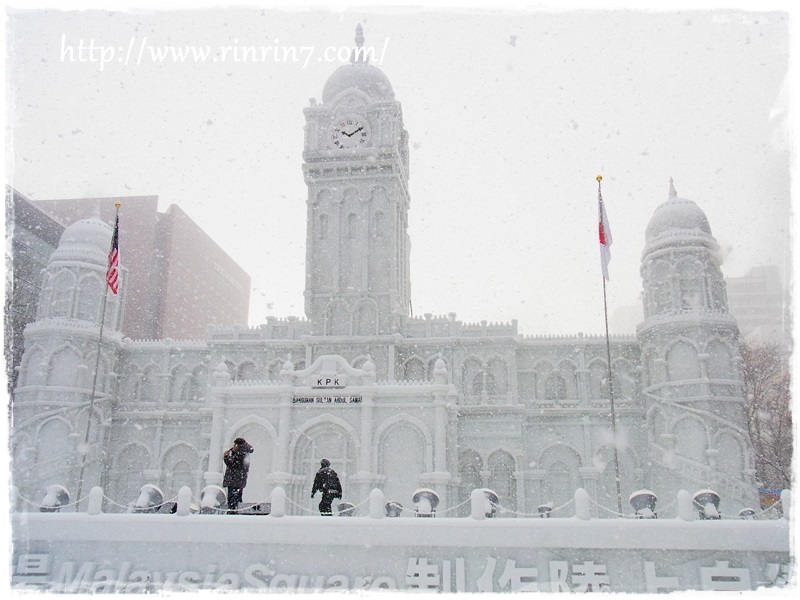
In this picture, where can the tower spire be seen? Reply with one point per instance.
(672, 192)
(358, 55)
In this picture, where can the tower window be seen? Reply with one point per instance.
(323, 227)
(351, 226)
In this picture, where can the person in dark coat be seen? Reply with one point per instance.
(237, 463)
(326, 481)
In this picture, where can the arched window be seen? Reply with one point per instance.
(338, 320)
(484, 383)
(542, 372)
(324, 197)
(247, 371)
(179, 380)
(181, 476)
(196, 385)
(660, 288)
(365, 319)
(89, 299)
(682, 362)
(324, 440)
(352, 226)
(691, 285)
(53, 442)
(498, 374)
(275, 370)
(555, 388)
(559, 486)
(64, 368)
(323, 227)
(502, 480)
(598, 381)
(469, 372)
(63, 289)
(415, 370)
(379, 224)
(402, 460)
(178, 464)
(691, 439)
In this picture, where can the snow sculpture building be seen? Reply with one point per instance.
(393, 401)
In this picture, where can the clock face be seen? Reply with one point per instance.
(349, 131)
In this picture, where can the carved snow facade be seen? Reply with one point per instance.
(393, 401)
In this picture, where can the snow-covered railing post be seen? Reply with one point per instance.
(685, 506)
(583, 504)
(278, 499)
(490, 502)
(377, 501)
(95, 506)
(477, 505)
(786, 504)
(184, 506)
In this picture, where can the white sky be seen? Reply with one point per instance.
(511, 114)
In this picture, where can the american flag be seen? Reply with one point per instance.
(112, 274)
(605, 233)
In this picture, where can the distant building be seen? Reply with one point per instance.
(34, 236)
(178, 280)
(761, 305)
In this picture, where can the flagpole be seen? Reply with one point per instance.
(94, 380)
(610, 375)
(611, 396)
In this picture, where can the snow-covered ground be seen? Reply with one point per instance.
(84, 552)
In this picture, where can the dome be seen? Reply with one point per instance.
(361, 76)
(676, 214)
(87, 240)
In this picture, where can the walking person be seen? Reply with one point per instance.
(237, 463)
(326, 481)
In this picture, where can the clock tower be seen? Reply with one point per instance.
(355, 164)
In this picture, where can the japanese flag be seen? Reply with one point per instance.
(605, 234)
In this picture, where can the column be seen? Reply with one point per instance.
(589, 476)
(214, 474)
(284, 424)
(365, 478)
(519, 477)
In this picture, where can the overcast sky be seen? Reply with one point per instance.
(511, 115)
